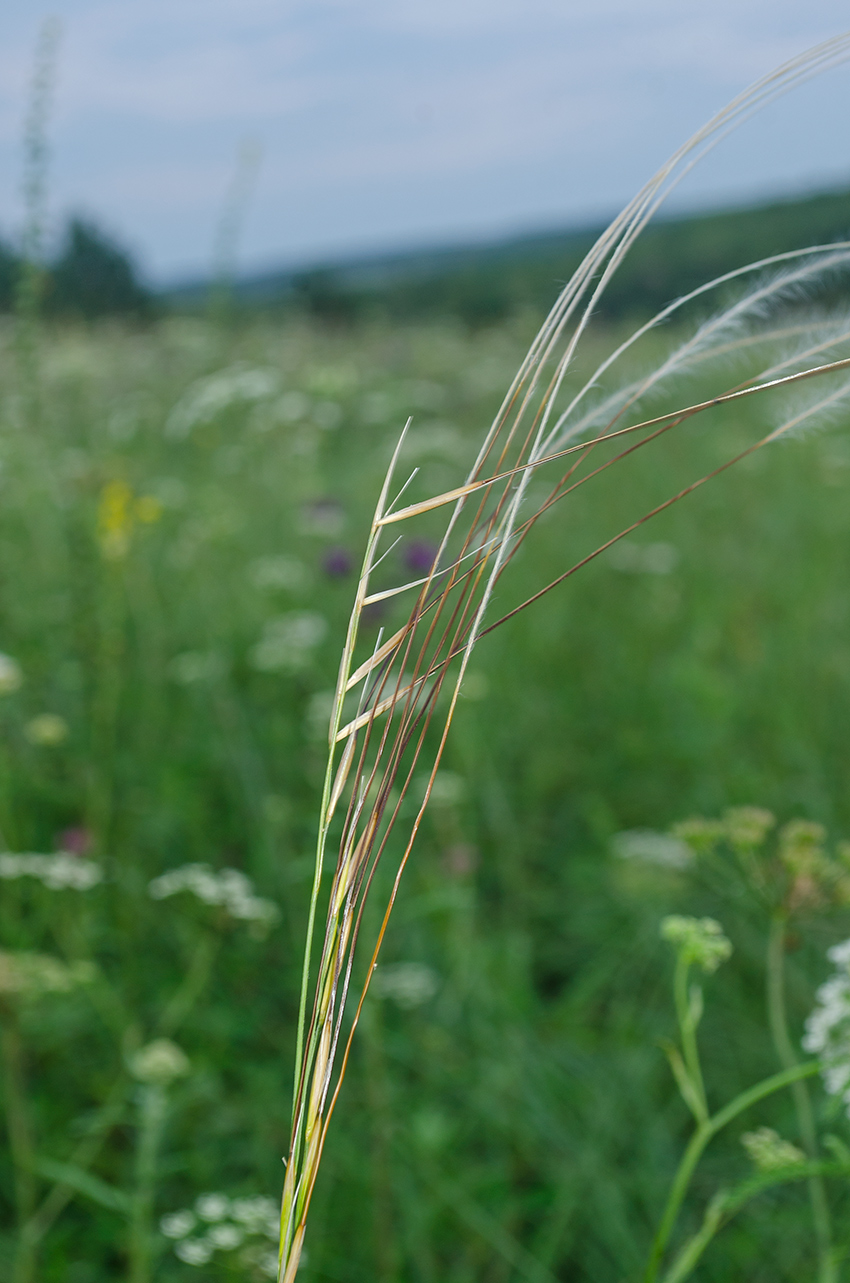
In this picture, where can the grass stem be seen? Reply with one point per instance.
(778, 1021)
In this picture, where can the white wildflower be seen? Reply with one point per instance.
(440, 440)
(246, 1225)
(226, 1237)
(213, 1207)
(258, 1215)
(267, 1263)
(32, 974)
(475, 686)
(47, 730)
(194, 1251)
(197, 666)
(648, 847)
(178, 1224)
(287, 573)
(11, 675)
(448, 788)
(287, 642)
(209, 397)
(159, 1063)
(828, 1026)
(642, 559)
(318, 718)
(292, 407)
(229, 888)
(840, 953)
(769, 1152)
(58, 872)
(407, 984)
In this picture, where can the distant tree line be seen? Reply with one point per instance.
(90, 276)
(483, 284)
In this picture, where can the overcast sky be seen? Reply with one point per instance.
(388, 123)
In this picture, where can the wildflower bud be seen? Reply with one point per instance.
(30, 975)
(699, 834)
(700, 941)
(769, 1152)
(801, 846)
(46, 730)
(746, 827)
(115, 520)
(159, 1063)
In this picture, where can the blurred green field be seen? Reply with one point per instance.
(182, 512)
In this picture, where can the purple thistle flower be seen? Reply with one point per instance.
(337, 563)
(419, 555)
(75, 841)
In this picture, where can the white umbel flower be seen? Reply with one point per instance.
(828, 1026)
(229, 888)
(159, 1063)
(58, 872)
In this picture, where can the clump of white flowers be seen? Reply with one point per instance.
(59, 872)
(828, 1027)
(206, 399)
(407, 984)
(769, 1152)
(228, 888)
(700, 941)
(643, 559)
(645, 846)
(248, 1227)
(158, 1063)
(287, 642)
(30, 975)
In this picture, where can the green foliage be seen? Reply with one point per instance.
(485, 284)
(8, 276)
(171, 534)
(92, 276)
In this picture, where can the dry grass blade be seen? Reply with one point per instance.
(411, 681)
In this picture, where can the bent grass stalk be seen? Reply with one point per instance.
(402, 705)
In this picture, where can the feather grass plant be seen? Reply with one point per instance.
(409, 684)
(397, 703)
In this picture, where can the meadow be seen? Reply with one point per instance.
(182, 514)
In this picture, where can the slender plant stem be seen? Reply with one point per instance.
(703, 1134)
(153, 1106)
(30, 285)
(688, 1031)
(21, 1145)
(777, 1017)
(194, 982)
(727, 1203)
(380, 1110)
(106, 701)
(693, 1250)
(81, 1158)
